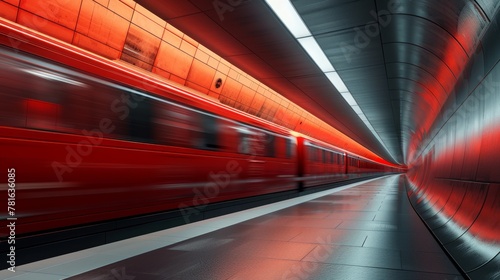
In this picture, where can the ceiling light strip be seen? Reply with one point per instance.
(316, 53)
(286, 12)
(288, 15)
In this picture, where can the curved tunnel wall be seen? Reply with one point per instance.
(455, 182)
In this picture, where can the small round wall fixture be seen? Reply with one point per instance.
(218, 83)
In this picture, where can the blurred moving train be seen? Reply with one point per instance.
(93, 140)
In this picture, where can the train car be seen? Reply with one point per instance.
(88, 149)
(358, 166)
(320, 163)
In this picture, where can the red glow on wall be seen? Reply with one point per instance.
(459, 182)
(455, 58)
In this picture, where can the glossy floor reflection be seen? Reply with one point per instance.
(366, 232)
(369, 231)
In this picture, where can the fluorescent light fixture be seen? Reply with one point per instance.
(337, 81)
(286, 12)
(292, 20)
(357, 109)
(289, 16)
(316, 53)
(348, 97)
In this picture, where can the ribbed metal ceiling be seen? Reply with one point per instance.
(400, 59)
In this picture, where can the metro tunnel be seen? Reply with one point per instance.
(250, 139)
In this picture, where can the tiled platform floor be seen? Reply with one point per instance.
(366, 230)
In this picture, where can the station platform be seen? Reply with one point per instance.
(365, 230)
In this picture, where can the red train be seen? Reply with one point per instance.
(93, 140)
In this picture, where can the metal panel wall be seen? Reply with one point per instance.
(455, 182)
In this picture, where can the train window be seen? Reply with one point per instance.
(288, 147)
(244, 147)
(12, 94)
(140, 119)
(80, 111)
(12, 109)
(323, 155)
(42, 115)
(45, 99)
(228, 135)
(176, 125)
(96, 107)
(270, 150)
(210, 130)
(37, 103)
(250, 141)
